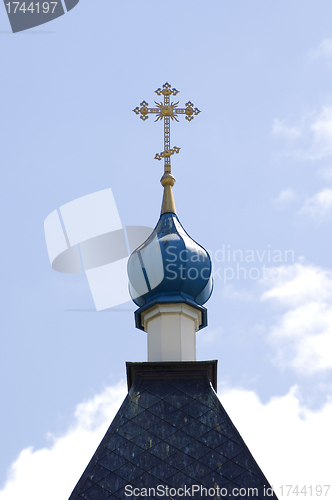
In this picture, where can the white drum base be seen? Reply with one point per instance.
(171, 330)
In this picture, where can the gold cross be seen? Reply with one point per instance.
(167, 110)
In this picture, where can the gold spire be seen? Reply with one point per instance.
(167, 110)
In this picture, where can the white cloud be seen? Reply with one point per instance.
(324, 50)
(279, 128)
(51, 473)
(285, 197)
(319, 205)
(290, 443)
(315, 134)
(321, 130)
(300, 283)
(302, 336)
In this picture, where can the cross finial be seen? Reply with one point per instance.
(167, 110)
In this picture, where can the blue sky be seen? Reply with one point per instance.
(254, 174)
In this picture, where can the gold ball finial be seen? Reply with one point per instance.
(168, 205)
(167, 180)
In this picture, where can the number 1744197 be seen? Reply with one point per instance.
(37, 7)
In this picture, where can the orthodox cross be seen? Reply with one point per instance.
(167, 110)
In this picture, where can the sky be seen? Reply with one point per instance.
(253, 186)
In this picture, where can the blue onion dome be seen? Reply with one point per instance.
(170, 267)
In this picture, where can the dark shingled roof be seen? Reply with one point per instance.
(171, 430)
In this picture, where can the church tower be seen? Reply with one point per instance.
(171, 438)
